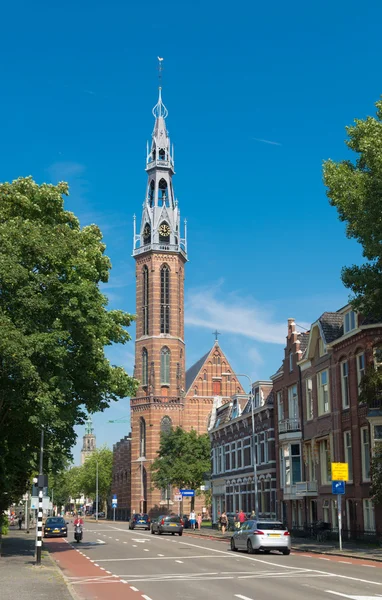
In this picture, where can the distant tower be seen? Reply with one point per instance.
(89, 440)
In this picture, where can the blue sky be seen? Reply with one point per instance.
(258, 96)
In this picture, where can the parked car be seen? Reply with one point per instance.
(55, 527)
(101, 515)
(262, 535)
(140, 522)
(167, 524)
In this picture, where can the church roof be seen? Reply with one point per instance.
(193, 371)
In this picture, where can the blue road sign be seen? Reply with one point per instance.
(338, 487)
(114, 504)
(187, 492)
(114, 496)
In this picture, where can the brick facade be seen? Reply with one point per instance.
(121, 479)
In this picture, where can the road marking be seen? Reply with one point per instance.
(179, 561)
(123, 581)
(102, 568)
(146, 550)
(353, 597)
(345, 562)
(134, 588)
(146, 597)
(125, 542)
(95, 564)
(173, 558)
(117, 539)
(242, 597)
(108, 572)
(160, 554)
(134, 545)
(370, 566)
(322, 558)
(101, 542)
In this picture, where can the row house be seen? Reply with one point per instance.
(121, 477)
(233, 436)
(319, 420)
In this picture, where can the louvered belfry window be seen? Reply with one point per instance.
(165, 299)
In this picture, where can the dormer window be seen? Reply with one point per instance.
(350, 321)
(290, 361)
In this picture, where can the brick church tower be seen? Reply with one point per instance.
(160, 255)
(167, 395)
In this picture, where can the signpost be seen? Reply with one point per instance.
(114, 504)
(340, 474)
(187, 493)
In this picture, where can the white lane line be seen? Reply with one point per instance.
(146, 550)
(370, 566)
(125, 542)
(123, 581)
(134, 588)
(146, 597)
(117, 539)
(322, 558)
(95, 564)
(108, 572)
(134, 545)
(179, 561)
(102, 569)
(242, 597)
(345, 562)
(184, 557)
(91, 560)
(160, 554)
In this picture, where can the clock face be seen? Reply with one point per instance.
(146, 231)
(164, 230)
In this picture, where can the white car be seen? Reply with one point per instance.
(265, 535)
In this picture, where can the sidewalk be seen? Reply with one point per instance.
(350, 549)
(19, 576)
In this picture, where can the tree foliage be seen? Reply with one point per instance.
(54, 326)
(183, 459)
(87, 475)
(355, 189)
(376, 476)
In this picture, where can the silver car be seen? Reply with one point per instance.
(262, 535)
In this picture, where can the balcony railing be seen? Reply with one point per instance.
(304, 488)
(159, 163)
(156, 400)
(161, 247)
(288, 425)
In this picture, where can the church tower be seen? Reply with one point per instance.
(89, 440)
(160, 254)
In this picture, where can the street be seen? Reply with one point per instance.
(113, 562)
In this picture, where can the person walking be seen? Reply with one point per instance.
(236, 519)
(199, 520)
(253, 515)
(20, 519)
(192, 519)
(242, 518)
(223, 521)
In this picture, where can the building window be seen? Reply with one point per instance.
(325, 462)
(280, 406)
(325, 510)
(349, 321)
(360, 358)
(348, 453)
(205, 376)
(293, 403)
(165, 299)
(142, 437)
(311, 464)
(165, 366)
(247, 452)
(233, 456)
(368, 516)
(227, 454)
(165, 424)
(145, 300)
(365, 453)
(290, 361)
(323, 392)
(345, 384)
(239, 452)
(309, 399)
(296, 462)
(145, 366)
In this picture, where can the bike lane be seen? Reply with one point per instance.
(88, 580)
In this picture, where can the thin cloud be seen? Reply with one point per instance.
(267, 141)
(210, 308)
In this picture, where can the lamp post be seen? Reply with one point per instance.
(40, 495)
(96, 491)
(253, 439)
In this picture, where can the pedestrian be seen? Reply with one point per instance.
(199, 519)
(253, 515)
(20, 519)
(223, 519)
(241, 517)
(192, 519)
(236, 519)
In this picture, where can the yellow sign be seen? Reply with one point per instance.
(340, 471)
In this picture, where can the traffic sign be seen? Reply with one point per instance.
(187, 492)
(340, 471)
(177, 497)
(338, 487)
(114, 496)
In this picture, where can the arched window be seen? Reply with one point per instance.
(142, 437)
(145, 366)
(162, 154)
(166, 425)
(163, 193)
(145, 300)
(165, 299)
(151, 192)
(147, 234)
(165, 366)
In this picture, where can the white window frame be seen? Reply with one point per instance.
(326, 477)
(348, 453)
(368, 516)
(290, 362)
(345, 390)
(322, 404)
(350, 321)
(309, 399)
(280, 406)
(293, 411)
(365, 453)
(361, 365)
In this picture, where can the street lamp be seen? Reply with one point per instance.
(96, 491)
(253, 439)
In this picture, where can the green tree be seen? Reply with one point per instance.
(183, 459)
(87, 475)
(376, 476)
(355, 189)
(54, 326)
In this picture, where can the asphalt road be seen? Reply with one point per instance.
(189, 568)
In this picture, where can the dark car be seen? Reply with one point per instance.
(55, 527)
(140, 522)
(167, 524)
